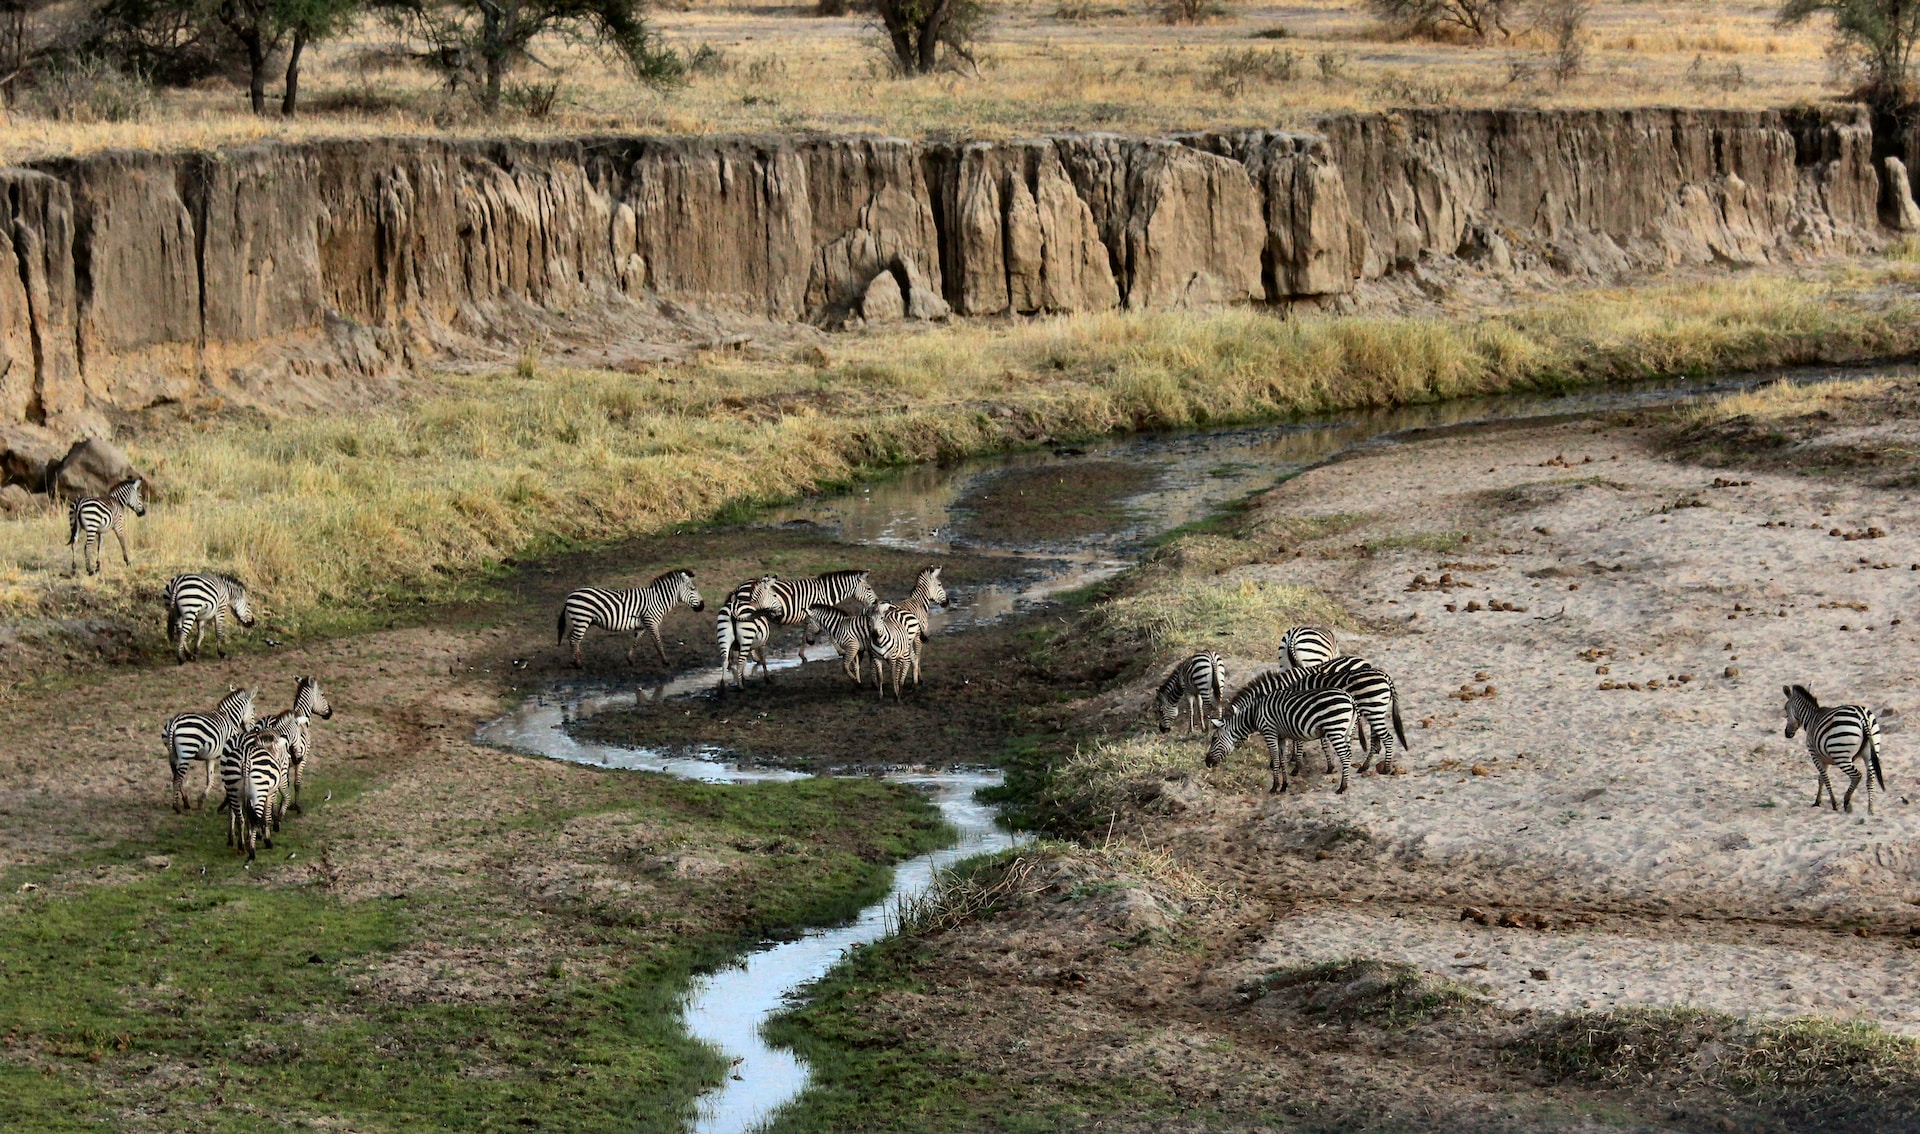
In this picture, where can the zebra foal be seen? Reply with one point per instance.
(203, 736)
(1198, 685)
(193, 600)
(1326, 715)
(92, 517)
(851, 637)
(906, 625)
(640, 610)
(1845, 737)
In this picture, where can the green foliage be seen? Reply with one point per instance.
(480, 42)
(1876, 36)
(925, 35)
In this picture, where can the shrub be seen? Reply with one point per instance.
(91, 89)
(1445, 18)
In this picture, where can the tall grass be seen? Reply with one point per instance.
(411, 501)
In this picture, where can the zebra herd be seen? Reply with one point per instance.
(1316, 696)
(261, 759)
(840, 607)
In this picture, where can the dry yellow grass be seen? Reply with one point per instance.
(353, 513)
(1118, 67)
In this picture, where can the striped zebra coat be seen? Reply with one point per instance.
(906, 625)
(203, 736)
(742, 631)
(255, 769)
(640, 610)
(194, 600)
(296, 724)
(1304, 647)
(787, 600)
(1373, 692)
(1845, 737)
(1300, 715)
(91, 517)
(851, 637)
(746, 622)
(1197, 684)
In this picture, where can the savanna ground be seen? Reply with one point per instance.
(1043, 66)
(1595, 899)
(502, 940)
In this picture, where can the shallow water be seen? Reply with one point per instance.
(1195, 474)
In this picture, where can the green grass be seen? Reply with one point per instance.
(232, 995)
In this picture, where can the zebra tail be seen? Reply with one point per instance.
(1873, 755)
(1399, 729)
(560, 628)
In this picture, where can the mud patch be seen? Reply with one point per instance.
(1053, 503)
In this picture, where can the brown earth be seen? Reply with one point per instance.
(1053, 503)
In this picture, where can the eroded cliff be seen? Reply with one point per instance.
(284, 273)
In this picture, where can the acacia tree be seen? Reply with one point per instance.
(1877, 36)
(919, 30)
(492, 37)
(309, 21)
(1477, 18)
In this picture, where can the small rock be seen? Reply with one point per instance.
(1539, 974)
(1480, 770)
(1733, 671)
(1473, 913)
(158, 861)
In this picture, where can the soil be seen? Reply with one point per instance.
(1052, 503)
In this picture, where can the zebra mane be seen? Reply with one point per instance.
(841, 576)
(1803, 694)
(665, 575)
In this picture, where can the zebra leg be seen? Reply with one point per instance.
(206, 789)
(1328, 754)
(1853, 783)
(660, 647)
(122, 537)
(298, 767)
(179, 790)
(1276, 764)
(1342, 744)
(200, 639)
(1820, 766)
(220, 642)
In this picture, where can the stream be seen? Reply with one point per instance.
(1194, 474)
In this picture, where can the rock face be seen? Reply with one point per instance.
(89, 468)
(289, 274)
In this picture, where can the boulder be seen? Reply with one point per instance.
(882, 301)
(14, 500)
(1904, 215)
(922, 295)
(25, 453)
(90, 468)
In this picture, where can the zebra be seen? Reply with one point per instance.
(1326, 715)
(1837, 737)
(896, 634)
(1373, 692)
(850, 634)
(743, 631)
(255, 771)
(1198, 684)
(640, 610)
(202, 736)
(94, 516)
(1304, 647)
(192, 598)
(296, 725)
(787, 600)
(907, 622)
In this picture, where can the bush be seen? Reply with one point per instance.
(1445, 18)
(1233, 71)
(91, 89)
(1565, 23)
(925, 35)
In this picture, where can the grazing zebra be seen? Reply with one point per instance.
(896, 634)
(787, 600)
(1306, 646)
(1373, 692)
(255, 770)
(640, 610)
(849, 633)
(94, 516)
(1326, 715)
(1845, 737)
(192, 599)
(296, 725)
(202, 737)
(743, 631)
(908, 621)
(1198, 684)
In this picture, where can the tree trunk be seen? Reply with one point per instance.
(493, 46)
(256, 71)
(290, 99)
(930, 30)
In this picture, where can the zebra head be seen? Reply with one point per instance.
(1801, 707)
(766, 597)
(242, 606)
(689, 593)
(1222, 744)
(1166, 710)
(863, 590)
(929, 587)
(816, 626)
(309, 701)
(129, 493)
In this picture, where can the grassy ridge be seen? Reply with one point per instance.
(328, 515)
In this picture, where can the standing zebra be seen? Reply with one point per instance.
(742, 631)
(640, 610)
(94, 516)
(1845, 737)
(1326, 715)
(1306, 646)
(202, 737)
(296, 725)
(851, 637)
(895, 634)
(907, 622)
(255, 770)
(1199, 684)
(787, 600)
(192, 599)
(1373, 692)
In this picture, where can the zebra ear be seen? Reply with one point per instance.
(1215, 722)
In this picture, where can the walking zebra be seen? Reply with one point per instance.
(742, 631)
(849, 633)
(746, 623)
(1373, 692)
(1306, 646)
(1198, 684)
(192, 599)
(1845, 737)
(94, 516)
(640, 610)
(907, 622)
(255, 770)
(296, 724)
(787, 600)
(1326, 715)
(202, 737)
